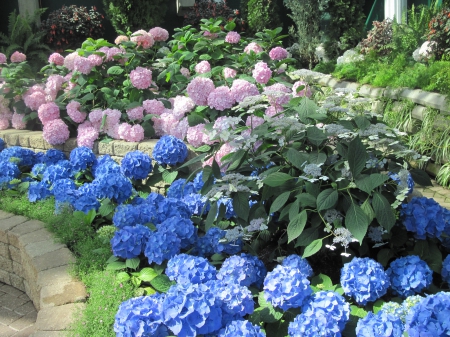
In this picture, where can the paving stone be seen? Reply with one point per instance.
(5, 215)
(42, 247)
(26, 307)
(57, 318)
(26, 332)
(36, 236)
(6, 264)
(53, 276)
(15, 254)
(6, 331)
(4, 277)
(22, 229)
(50, 334)
(4, 250)
(11, 302)
(62, 293)
(57, 258)
(25, 321)
(17, 282)
(7, 316)
(9, 223)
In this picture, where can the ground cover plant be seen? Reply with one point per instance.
(299, 219)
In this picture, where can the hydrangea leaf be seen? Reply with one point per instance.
(434, 258)
(307, 237)
(161, 283)
(117, 265)
(369, 183)
(368, 210)
(240, 205)
(115, 70)
(297, 158)
(147, 274)
(420, 177)
(384, 255)
(306, 199)
(357, 156)
(279, 202)
(296, 226)
(312, 248)
(277, 179)
(421, 248)
(122, 277)
(356, 222)
(133, 263)
(323, 282)
(327, 199)
(383, 211)
(357, 311)
(169, 177)
(293, 211)
(316, 136)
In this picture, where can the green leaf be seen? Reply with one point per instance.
(362, 122)
(133, 263)
(327, 199)
(357, 155)
(277, 179)
(161, 283)
(312, 248)
(117, 265)
(211, 216)
(195, 119)
(322, 282)
(420, 177)
(123, 276)
(368, 210)
(384, 255)
(357, 311)
(203, 148)
(240, 205)
(421, 248)
(369, 183)
(356, 222)
(296, 158)
(293, 210)
(296, 226)
(237, 159)
(383, 211)
(306, 200)
(279, 202)
(308, 236)
(434, 258)
(315, 135)
(115, 70)
(169, 177)
(147, 274)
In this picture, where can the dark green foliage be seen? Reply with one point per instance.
(378, 39)
(68, 27)
(24, 36)
(132, 15)
(439, 32)
(325, 67)
(262, 14)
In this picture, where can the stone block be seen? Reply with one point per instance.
(46, 333)
(369, 91)
(4, 277)
(70, 144)
(17, 269)
(39, 248)
(54, 276)
(22, 229)
(418, 112)
(8, 316)
(4, 250)
(15, 254)
(36, 141)
(25, 321)
(11, 302)
(24, 139)
(48, 146)
(12, 139)
(430, 99)
(17, 282)
(36, 236)
(121, 148)
(6, 264)
(57, 318)
(5, 215)
(118, 160)
(62, 293)
(9, 223)
(106, 148)
(147, 146)
(57, 258)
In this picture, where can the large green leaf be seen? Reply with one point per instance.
(296, 226)
(279, 202)
(356, 222)
(312, 248)
(161, 283)
(434, 258)
(298, 159)
(132, 263)
(306, 200)
(277, 179)
(147, 274)
(237, 159)
(369, 183)
(240, 204)
(420, 177)
(383, 211)
(357, 156)
(115, 70)
(315, 135)
(327, 199)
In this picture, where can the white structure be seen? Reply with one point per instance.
(394, 8)
(28, 7)
(183, 5)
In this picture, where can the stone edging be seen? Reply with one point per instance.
(31, 261)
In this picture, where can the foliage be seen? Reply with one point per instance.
(378, 39)
(262, 14)
(325, 67)
(443, 176)
(24, 36)
(69, 26)
(439, 32)
(130, 15)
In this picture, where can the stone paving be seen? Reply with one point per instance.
(437, 192)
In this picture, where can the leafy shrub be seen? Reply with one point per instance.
(68, 27)
(131, 15)
(378, 39)
(262, 14)
(325, 67)
(439, 32)
(210, 9)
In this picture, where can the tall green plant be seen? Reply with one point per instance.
(132, 15)
(262, 14)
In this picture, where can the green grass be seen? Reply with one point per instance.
(91, 252)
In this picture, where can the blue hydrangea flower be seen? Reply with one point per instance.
(104, 165)
(186, 269)
(425, 218)
(170, 150)
(170, 207)
(154, 198)
(162, 246)
(285, 288)
(379, 324)
(407, 304)
(197, 203)
(409, 275)
(2, 144)
(136, 165)
(126, 215)
(445, 273)
(245, 270)
(180, 188)
(364, 280)
(38, 169)
(191, 309)
(60, 187)
(295, 261)
(430, 316)
(241, 329)
(183, 228)
(210, 243)
(26, 158)
(129, 241)
(198, 182)
(314, 323)
(83, 201)
(331, 303)
(8, 169)
(53, 156)
(403, 180)
(114, 186)
(61, 170)
(38, 191)
(228, 202)
(82, 158)
(141, 316)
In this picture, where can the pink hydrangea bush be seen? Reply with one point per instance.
(56, 58)
(73, 110)
(199, 89)
(143, 39)
(141, 78)
(18, 57)
(159, 34)
(56, 132)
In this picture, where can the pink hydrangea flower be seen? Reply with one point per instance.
(253, 46)
(304, 92)
(143, 39)
(254, 121)
(48, 112)
(278, 53)
(232, 37)
(223, 151)
(242, 88)
(112, 122)
(229, 73)
(69, 60)
(195, 135)
(203, 67)
(136, 113)
(55, 132)
(158, 126)
(73, 110)
(96, 60)
(120, 39)
(221, 98)
(130, 133)
(56, 59)
(83, 65)
(111, 52)
(124, 130)
(87, 134)
(185, 72)
(3, 58)
(210, 35)
(272, 110)
(52, 86)
(4, 122)
(159, 34)
(199, 89)
(17, 121)
(278, 94)
(168, 121)
(95, 117)
(262, 73)
(34, 97)
(153, 106)
(17, 57)
(141, 78)
(182, 105)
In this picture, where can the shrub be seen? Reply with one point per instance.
(262, 14)
(439, 32)
(209, 9)
(378, 39)
(68, 27)
(131, 15)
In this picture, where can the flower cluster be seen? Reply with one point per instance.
(245, 270)
(141, 78)
(136, 165)
(129, 241)
(82, 158)
(186, 269)
(379, 324)
(313, 323)
(170, 150)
